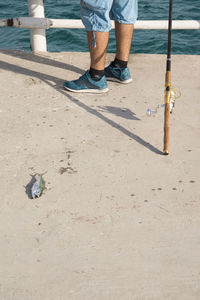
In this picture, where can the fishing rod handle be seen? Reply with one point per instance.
(167, 113)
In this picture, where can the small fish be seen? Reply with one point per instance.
(38, 187)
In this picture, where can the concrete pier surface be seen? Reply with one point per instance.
(118, 220)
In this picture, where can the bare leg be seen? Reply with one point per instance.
(98, 54)
(124, 34)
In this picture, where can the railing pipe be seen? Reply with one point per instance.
(38, 35)
(140, 24)
(44, 23)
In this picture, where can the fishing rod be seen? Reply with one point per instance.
(168, 89)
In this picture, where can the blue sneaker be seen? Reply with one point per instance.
(85, 84)
(121, 75)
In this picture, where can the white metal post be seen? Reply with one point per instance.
(38, 36)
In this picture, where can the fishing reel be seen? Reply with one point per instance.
(175, 93)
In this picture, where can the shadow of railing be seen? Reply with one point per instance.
(42, 59)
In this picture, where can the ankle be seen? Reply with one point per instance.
(118, 63)
(96, 74)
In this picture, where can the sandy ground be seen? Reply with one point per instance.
(118, 220)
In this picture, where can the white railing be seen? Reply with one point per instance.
(37, 23)
(38, 35)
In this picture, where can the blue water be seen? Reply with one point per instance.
(151, 41)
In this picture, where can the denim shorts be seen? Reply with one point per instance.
(96, 15)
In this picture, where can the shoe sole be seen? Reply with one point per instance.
(118, 80)
(89, 91)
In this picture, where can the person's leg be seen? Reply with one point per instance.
(118, 70)
(95, 17)
(123, 33)
(124, 13)
(98, 53)
(94, 80)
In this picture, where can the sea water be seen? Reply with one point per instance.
(144, 41)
